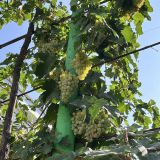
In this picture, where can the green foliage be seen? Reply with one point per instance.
(38, 144)
(107, 31)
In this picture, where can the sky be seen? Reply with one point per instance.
(148, 62)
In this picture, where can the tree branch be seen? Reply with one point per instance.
(6, 135)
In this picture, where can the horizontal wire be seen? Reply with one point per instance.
(127, 54)
(22, 94)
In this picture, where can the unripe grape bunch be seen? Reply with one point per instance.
(94, 129)
(47, 47)
(82, 65)
(78, 122)
(68, 83)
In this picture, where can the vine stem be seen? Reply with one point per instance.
(6, 134)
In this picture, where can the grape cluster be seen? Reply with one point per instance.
(94, 129)
(82, 65)
(47, 47)
(78, 124)
(68, 83)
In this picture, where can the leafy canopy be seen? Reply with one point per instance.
(107, 29)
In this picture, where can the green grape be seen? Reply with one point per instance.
(82, 65)
(67, 85)
(94, 129)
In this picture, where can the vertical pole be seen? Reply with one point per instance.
(63, 125)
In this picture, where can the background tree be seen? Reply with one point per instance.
(87, 87)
